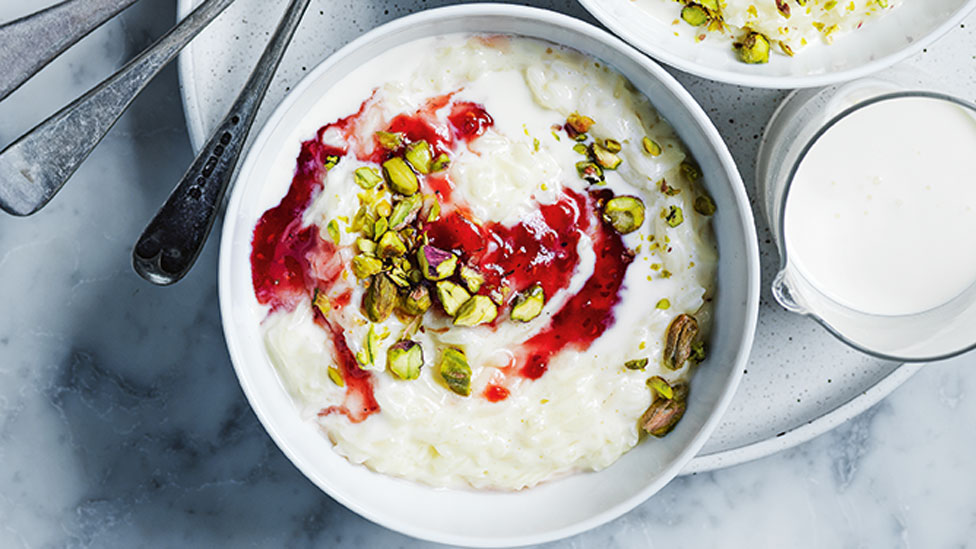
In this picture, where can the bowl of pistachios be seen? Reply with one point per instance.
(780, 43)
(489, 276)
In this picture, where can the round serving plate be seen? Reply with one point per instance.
(800, 382)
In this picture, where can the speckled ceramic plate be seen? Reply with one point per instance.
(800, 382)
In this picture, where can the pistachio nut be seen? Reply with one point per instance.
(661, 386)
(390, 245)
(364, 266)
(405, 358)
(417, 301)
(528, 304)
(694, 15)
(400, 177)
(651, 147)
(380, 298)
(368, 355)
(677, 344)
(455, 371)
(477, 310)
(636, 364)
(451, 296)
(419, 155)
(673, 216)
(441, 162)
(472, 278)
(604, 158)
(405, 211)
(367, 177)
(705, 205)
(663, 414)
(336, 376)
(389, 141)
(753, 49)
(624, 213)
(591, 172)
(435, 263)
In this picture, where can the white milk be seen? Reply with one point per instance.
(881, 216)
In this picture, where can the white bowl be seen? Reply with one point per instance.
(879, 44)
(555, 509)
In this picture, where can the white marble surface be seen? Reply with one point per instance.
(122, 425)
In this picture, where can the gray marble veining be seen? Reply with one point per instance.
(122, 424)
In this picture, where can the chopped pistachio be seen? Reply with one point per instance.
(418, 154)
(399, 277)
(451, 296)
(362, 221)
(673, 216)
(604, 158)
(366, 246)
(612, 145)
(405, 358)
(499, 295)
(435, 263)
(590, 171)
(661, 387)
(383, 209)
(882, 3)
(690, 171)
(336, 376)
(783, 7)
(698, 351)
(694, 15)
(663, 304)
(663, 414)
(442, 161)
(754, 48)
(390, 245)
(624, 213)
(380, 227)
(367, 177)
(331, 161)
(369, 353)
(321, 302)
(636, 364)
(380, 298)
(431, 209)
(364, 266)
(651, 147)
(678, 341)
(409, 237)
(472, 278)
(333, 230)
(455, 371)
(405, 211)
(528, 304)
(416, 301)
(477, 310)
(578, 123)
(400, 177)
(581, 148)
(389, 141)
(705, 205)
(712, 5)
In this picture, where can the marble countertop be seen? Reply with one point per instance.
(122, 423)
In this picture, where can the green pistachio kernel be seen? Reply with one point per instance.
(528, 304)
(364, 266)
(661, 387)
(451, 296)
(442, 161)
(336, 376)
(472, 278)
(431, 210)
(417, 301)
(369, 354)
(664, 413)
(455, 371)
(673, 216)
(664, 304)
(604, 158)
(651, 147)
(612, 145)
(400, 177)
(694, 15)
(624, 213)
(581, 148)
(383, 209)
(590, 171)
(711, 5)
(418, 154)
(435, 263)
(321, 302)
(405, 211)
(698, 351)
(333, 230)
(380, 298)
(636, 364)
(389, 141)
(366, 246)
(405, 358)
(705, 205)
(390, 245)
(690, 171)
(330, 161)
(753, 49)
(367, 177)
(380, 227)
(477, 310)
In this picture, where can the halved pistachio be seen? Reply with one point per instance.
(405, 358)
(581, 148)
(366, 246)
(753, 49)
(417, 301)
(380, 227)
(389, 141)
(435, 263)
(472, 278)
(661, 386)
(405, 211)
(400, 177)
(442, 161)
(651, 147)
(451, 296)
(477, 310)
(368, 355)
(624, 213)
(694, 15)
(419, 155)
(673, 216)
(321, 302)
(604, 158)
(380, 298)
(528, 304)
(663, 414)
(678, 341)
(364, 266)
(367, 177)
(390, 245)
(612, 145)
(590, 171)
(455, 371)
(636, 364)
(705, 205)
(336, 376)
(431, 209)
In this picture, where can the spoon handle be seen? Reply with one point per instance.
(35, 167)
(31, 42)
(174, 238)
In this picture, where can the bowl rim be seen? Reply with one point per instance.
(750, 261)
(740, 78)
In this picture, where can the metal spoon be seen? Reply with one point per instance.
(171, 243)
(38, 164)
(31, 42)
